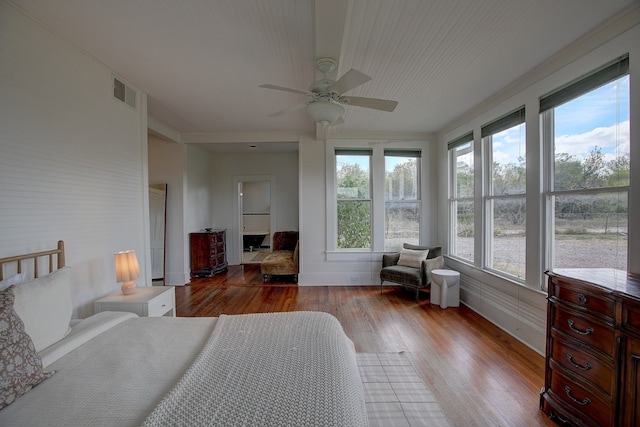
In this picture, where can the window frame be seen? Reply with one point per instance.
(377, 147)
(454, 198)
(514, 118)
(362, 153)
(607, 73)
(407, 153)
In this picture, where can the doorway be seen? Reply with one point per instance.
(256, 217)
(157, 231)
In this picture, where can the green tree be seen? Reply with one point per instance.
(402, 182)
(568, 172)
(354, 207)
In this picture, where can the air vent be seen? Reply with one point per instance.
(124, 93)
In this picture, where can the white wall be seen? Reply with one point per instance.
(166, 165)
(71, 158)
(519, 309)
(227, 167)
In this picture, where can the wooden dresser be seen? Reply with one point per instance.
(592, 367)
(208, 250)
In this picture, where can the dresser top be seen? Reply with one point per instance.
(615, 280)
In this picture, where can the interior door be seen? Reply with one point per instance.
(157, 218)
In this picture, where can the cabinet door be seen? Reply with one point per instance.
(631, 395)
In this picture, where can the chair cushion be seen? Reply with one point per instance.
(412, 258)
(434, 251)
(279, 262)
(408, 276)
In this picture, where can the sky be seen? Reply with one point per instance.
(598, 118)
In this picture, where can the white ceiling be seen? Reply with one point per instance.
(201, 61)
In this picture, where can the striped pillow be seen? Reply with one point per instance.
(412, 258)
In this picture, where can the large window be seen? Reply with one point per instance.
(461, 243)
(376, 203)
(585, 124)
(353, 193)
(504, 143)
(402, 198)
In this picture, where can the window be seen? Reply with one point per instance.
(461, 197)
(505, 195)
(353, 193)
(374, 197)
(402, 198)
(585, 126)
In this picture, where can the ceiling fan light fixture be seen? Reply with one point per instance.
(325, 112)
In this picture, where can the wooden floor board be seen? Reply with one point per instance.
(480, 375)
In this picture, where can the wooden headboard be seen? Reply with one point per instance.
(32, 259)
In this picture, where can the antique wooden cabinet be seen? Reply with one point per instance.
(208, 252)
(592, 367)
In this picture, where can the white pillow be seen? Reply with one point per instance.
(44, 305)
(12, 280)
(412, 258)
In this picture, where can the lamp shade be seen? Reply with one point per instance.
(127, 270)
(325, 112)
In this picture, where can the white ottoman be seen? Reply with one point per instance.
(445, 288)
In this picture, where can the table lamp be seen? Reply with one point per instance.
(127, 270)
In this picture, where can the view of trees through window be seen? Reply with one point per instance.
(591, 178)
(462, 198)
(506, 199)
(585, 156)
(402, 204)
(354, 200)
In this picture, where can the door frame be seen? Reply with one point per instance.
(237, 208)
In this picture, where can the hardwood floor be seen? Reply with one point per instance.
(480, 375)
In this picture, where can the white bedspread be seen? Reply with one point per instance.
(114, 379)
(277, 369)
(266, 370)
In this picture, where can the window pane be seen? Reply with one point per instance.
(591, 139)
(353, 176)
(508, 239)
(354, 224)
(508, 169)
(463, 230)
(402, 224)
(591, 231)
(401, 178)
(464, 170)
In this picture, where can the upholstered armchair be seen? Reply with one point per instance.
(412, 271)
(283, 260)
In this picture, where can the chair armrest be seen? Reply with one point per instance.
(296, 255)
(428, 265)
(390, 259)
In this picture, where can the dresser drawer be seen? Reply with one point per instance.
(162, 304)
(582, 297)
(585, 403)
(583, 328)
(583, 363)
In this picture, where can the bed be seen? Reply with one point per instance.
(117, 369)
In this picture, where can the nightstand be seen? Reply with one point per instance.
(150, 301)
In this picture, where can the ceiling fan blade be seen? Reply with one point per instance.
(288, 110)
(287, 89)
(350, 80)
(376, 104)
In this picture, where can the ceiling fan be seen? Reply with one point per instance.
(327, 96)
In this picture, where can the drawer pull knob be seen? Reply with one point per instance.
(164, 305)
(582, 299)
(583, 368)
(588, 331)
(582, 402)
